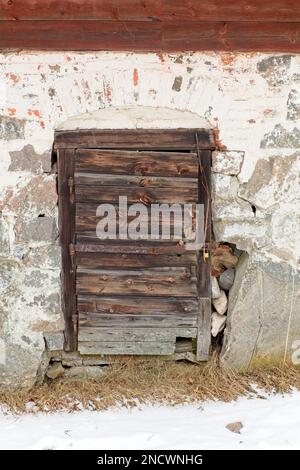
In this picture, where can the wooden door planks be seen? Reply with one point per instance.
(102, 340)
(164, 335)
(138, 305)
(93, 319)
(179, 282)
(143, 163)
(142, 348)
(134, 297)
(111, 194)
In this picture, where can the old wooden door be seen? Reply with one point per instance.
(132, 296)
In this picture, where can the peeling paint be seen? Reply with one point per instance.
(280, 137)
(135, 77)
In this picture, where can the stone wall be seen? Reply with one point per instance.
(253, 103)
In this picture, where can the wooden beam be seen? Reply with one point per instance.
(141, 139)
(152, 36)
(66, 230)
(204, 261)
(151, 10)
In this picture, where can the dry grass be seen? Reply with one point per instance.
(132, 382)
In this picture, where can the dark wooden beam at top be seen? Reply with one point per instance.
(156, 36)
(147, 10)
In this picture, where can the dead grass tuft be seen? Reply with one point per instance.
(162, 382)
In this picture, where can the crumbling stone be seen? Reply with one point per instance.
(224, 186)
(275, 69)
(280, 137)
(4, 238)
(40, 229)
(293, 105)
(33, 197)
(28, 160)
(55, 371)
(243, 233)
(54, 340)
(48, 256)
(11, 128)
(227, 163)
(275, 180)
(84, 372)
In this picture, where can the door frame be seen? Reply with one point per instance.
(66, 144)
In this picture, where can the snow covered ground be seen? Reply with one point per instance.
(272, 423)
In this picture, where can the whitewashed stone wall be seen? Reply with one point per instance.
(253, 103)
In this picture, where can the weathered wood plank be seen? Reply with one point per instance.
(93, 319)
(204, 257)
(204, 327)
(133, 348)
(204, 261)
(184, 345)
(168, 222)
(153, 36)
(150, 139)
(94, 245)
(138, 305)
(134, 334)
(232, 36)
(96, 193)
(123, 162)
(135, 182)
(117, 260)
(152, 10)
(179, 282)
(67, 237)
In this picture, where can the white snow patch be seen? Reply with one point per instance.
(271, 423)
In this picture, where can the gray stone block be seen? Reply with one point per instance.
(27, 159)
(226, 279)
(54, 340)
(263, 321)
(40, 229)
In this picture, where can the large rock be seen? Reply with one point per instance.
(29, 306)
(263, 321)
